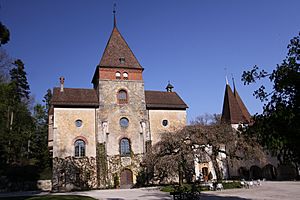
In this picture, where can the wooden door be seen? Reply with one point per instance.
(126, 179)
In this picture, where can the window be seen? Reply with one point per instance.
(122, 96)
(165, 122)
(122, 60)
(124, 147)
(125, 75)
(118, 75)
(124, 122)
(79, 148)
(78, 123)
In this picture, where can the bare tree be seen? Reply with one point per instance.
(176, 152)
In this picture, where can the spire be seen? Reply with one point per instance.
(233, 83)
(117, 52)
(234, 111)
(226, 79)
(114, 13)
(169, 87)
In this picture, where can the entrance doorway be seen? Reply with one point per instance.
(205, 173)
(126, 179)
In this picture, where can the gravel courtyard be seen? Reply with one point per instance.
(268, 191)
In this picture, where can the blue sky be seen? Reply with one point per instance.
(187, 42)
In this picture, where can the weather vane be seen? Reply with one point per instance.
(114, 12)
(114, 8)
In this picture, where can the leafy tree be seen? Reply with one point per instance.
(278, 127)
(4, 34)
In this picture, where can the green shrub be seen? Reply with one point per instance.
(185, 188)
(232, 185)
(46, 174)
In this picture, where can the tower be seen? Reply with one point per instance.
(122, 117)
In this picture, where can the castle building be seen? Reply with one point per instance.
(236, 114)
(99, 136)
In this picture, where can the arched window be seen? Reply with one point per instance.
(79, 148)
(118, 75)
(124, 147)
(122, 97)
(125, 75)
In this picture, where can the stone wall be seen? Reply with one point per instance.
(116, 164)
(176, 120)
(44, 185)
(110, 113)
(66, 132)
(72, 173)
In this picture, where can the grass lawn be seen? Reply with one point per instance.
(50, 197)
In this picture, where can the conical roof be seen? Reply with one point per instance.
(242, 106)
(117, 53)
(234, 110)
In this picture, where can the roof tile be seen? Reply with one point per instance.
(234, 110)
(118, 54)
(75, 97)
(167, 100)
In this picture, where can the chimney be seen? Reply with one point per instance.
(62, 81)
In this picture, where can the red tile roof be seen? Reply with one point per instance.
(164, 100)
(118, 54)
(234, 110)
(75, 97)
(242, 106)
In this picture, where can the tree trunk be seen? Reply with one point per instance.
(180, 173)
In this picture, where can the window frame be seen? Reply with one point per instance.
(125, 75)
(118, 75)
(125, 147)
(79, 148)
(165, 122)
(127, 120)
(122, 100)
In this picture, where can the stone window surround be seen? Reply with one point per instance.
(80, 137)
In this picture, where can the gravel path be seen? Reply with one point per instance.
(267, 191)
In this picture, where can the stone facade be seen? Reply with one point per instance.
(164, 121)
(110, 113)
(65, 131)
(99, 136)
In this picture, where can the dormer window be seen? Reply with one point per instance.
(125, 75)
(122, 60)
(118, 75)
